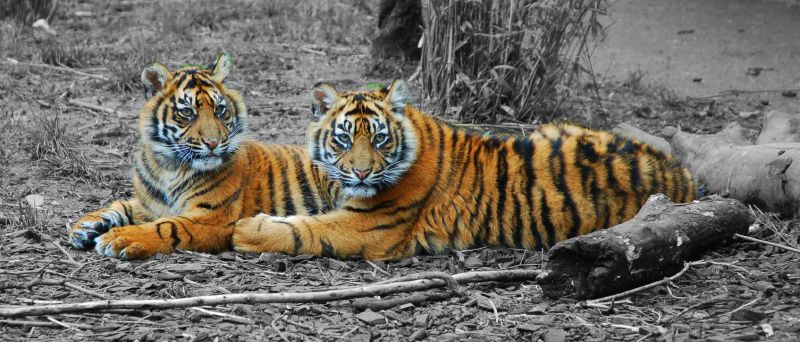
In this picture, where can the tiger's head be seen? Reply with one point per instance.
(190, 117)
(362, 139)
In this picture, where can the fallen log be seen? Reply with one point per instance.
(779, 127)
(654, 244)
(764, 175)
(630, 131)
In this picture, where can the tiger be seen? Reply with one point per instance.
(417, 185)
(196, 172)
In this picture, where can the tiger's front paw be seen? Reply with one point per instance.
(84, 232)
(130, 243)
(262, 234)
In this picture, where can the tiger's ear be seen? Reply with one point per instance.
(398, 96)
(323, 96)
(221, 67)
(154, 77)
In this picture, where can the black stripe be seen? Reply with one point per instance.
(327, 249)
(271, 189)
(128, 213)
(227, 201)
(152, 190)
(288, 203)
(392, 225)
(518, 243)
(548, 224)
(502, 185)
(525, 150)
(382, 205)
(298, 242)
(561, 184)
(309, 197)
(221, 178)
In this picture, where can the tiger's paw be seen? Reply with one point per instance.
(262, 234)
(130, 243)
(84, 232)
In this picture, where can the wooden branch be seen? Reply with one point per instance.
(630, 131)
(767, 175)
(644, 287)
(362, 304)
(263, 298)
(655, 243)
(47, 282)
(779, 127)
(748, 238)
(56, 68)
(98, 108)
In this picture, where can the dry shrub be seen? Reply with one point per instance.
(28, 11)
(492, 61)
(53, 145)
(52, 51)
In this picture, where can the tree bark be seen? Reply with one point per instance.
(764, 175)
(652, 245)
(400, 25)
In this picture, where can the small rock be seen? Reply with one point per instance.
(745, 115)
(789, 93)
(554, 335)
(418, 335)
(474, 261)
(406, 306)
(371, 318)
(123, 267)
(421, 320)
(35, 200)
(767, 329)
(529, 327)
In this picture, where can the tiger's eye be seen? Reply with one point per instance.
(186, 113)
(343, 138)
(380, 138)
(220, 110)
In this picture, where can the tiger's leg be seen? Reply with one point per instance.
(96, 223)
(337, 234)
(164, 235)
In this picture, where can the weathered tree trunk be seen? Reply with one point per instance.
(653, 245)
(764, 175)
(400, 24)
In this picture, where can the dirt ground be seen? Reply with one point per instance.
(60, 159)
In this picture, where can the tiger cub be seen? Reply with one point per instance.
(195, 172)
(416, 185)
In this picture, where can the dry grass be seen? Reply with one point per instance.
(53, 145)
(493, 61)
(52, 51)
(770, 225)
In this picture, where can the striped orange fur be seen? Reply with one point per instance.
(195, 173)
(417, 185)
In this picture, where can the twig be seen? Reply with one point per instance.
(349, 332)
(275, 326)
(57, 68)
(229, 317)
(644, 287)
(452, 283)
(65, 325)
(47, 282)
(379, 269)
(383, 304)
(494, 309)
(42, 324)
(264, 298)
(742, 306)
(744, 237)
(69, 260)
(94, 107)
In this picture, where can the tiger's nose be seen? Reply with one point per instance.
(212, 144)
(361, 174)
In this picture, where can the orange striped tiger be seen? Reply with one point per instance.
(195, 173)
(416, 185)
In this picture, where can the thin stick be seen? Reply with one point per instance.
(48, 282)
(743, 306)
(95, 107)
(57, 68)
(275, 326)
(744, 237)
(264, 298)
(379, 269)
(42, 324)
(644, 287)
(69, 260)
(230, 317)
